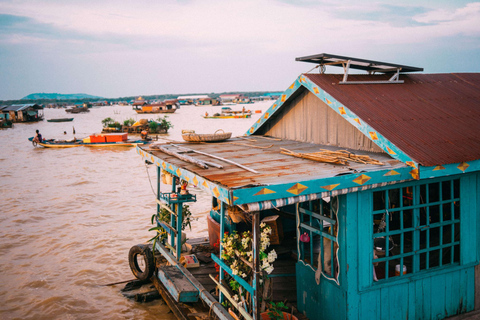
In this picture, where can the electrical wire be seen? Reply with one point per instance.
(150, 180)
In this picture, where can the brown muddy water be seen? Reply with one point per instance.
(68, 217)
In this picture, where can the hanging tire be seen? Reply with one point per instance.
(142, 264)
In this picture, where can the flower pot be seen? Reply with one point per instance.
(233, 314)
(286, 316)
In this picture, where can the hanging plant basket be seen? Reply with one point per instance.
(236, 214)
(167, 177)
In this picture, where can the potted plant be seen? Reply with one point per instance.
(164, 215)
(276, 312)
(237, 253)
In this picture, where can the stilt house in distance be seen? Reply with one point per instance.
(376, 180)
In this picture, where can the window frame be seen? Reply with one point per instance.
(418, 204)
(318, 218)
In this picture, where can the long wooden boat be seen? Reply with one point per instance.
(191, 136)
(228, 116)
(127, 143)
(156, 111)
(77, 110)
(52, 143)
(101, 140)
(60, 120)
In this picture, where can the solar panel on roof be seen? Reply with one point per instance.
(356, 63)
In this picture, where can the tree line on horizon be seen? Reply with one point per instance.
(44, 98)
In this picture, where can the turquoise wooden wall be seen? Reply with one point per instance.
(432, 294)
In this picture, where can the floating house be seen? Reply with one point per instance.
(190, 99)
(30, 112)
(234, 98)
(206, 102)
(372, 182)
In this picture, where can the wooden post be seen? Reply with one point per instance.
(179, 229)
(222, 233)
(256, 265)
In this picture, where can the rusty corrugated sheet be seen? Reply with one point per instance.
(434, 118)
(263, 155)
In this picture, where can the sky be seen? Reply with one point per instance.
(146, 47)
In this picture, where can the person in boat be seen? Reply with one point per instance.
(144, 134)
(38, 137)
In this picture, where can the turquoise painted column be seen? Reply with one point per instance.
(179, 229)
(173, 219)
(222, 233)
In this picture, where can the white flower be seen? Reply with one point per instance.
(235, 297)
(262, 225)
(272, 255)
(265, 264)
(269, 270)
(244, 275)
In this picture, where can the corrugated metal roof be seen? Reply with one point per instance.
(19, 107)
(263, 155)
(434, 118)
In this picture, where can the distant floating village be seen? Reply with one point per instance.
(32, 112)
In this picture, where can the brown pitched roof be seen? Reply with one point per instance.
(434, 118)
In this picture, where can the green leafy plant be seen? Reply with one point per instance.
(129, 122)
(115, 124)
(164, 215)
(107, 121)
(237, 253)
(153, 126)
(164, 124)
(275, 310)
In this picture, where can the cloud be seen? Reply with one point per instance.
(209, 45)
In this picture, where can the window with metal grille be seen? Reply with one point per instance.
(415, 228)
(318, 242)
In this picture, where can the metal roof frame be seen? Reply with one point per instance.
(371, 66)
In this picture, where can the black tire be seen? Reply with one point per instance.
(141, 251)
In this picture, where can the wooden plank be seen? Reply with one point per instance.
(438, 294)
(183, 157)
(179, 287)
(226, 293)
(179, 312)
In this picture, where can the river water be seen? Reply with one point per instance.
(68, 217)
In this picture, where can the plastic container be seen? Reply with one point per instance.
(397, 270)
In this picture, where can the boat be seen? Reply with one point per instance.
(96, 140)
(53, 143)
(219, 135)
(229, 116)
(60, 120)
(159, 107)
(228, 113)
(77, 110)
